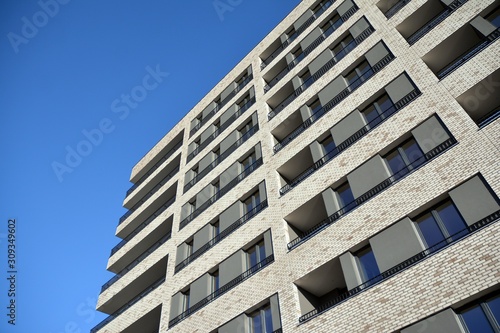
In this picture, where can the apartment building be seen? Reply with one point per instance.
(343, 177)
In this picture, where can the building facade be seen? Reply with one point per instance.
(343, 177)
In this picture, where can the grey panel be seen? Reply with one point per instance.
(239, 324)
(332, 90)
(229, 141)
(268, 243)
(444, 321)
(185, 210)
(229, 174)
(200, 289)
(310, 38)
(206, 161)
(230, 215)
(399, 88)
(204, 195)
(358, 28)
(344, 7)
(262, 191)
(483, 26)
(255, 119)
(228, 90)
(258, 151)
(396, 244)
(208, 109)
(316, 151)
(192, 146)
(474, 200)
(228, 113)
(232, 267)
(182, 253)
(296, 82)
(368, 175)
(376, 53)
(207, 133)
(429, 134)
(330, 200)
(202, 236)
(303, 19)
(189, 176)
(289, 58)
(283, 38)
(350, 270)
(306, 301)
(194, 122)
(347, 127)
(251, 92)
(305, 112)
(176, 305)
(275, 312)
(320, 61)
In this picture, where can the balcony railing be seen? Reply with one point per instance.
(219, 106)
(415, 165)
(157, 212)
(249, 170)
(384, 115)
(447, 242)
(222, 290)
(294, 36)
(215, 134)
(226, 232)
(154, 167)
(394, 9)
(150, 193)
(139, 259)
(343, 94)
(417, 35)
(136, 299)
(466, 56)
(221, 157)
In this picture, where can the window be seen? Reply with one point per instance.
(483, 317)
(367, 265)
(242, 103)
(215, 280)
(343, 47)
(246, 127)
(248, 161)
(252, 202)
(185, 300)
(378, 110)
(297, 56)
(494, 17)
(345, 198)
(358, 75)
(291, 34)
(261, 321)
(441, 225)
(404, 158)
(216, 152)
(327, 144)
(241, 80)
(305, 79)
(216, 228)
(189, 248)
(256, 254)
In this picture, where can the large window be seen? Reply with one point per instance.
(404, 158)
(442, 225)
(327, 144)
(261, 321)
(185, 300)
(358, 75)
(367, 264)
(345, 198)
(215, 280)
(256, 254)
(376, 112)
(483, 317)
(252, 202)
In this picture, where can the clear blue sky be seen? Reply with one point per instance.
(59, 76)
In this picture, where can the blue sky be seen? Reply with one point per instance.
(62, 68)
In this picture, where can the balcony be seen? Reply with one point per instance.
(235, 116)
(268, 58)
(248, 171)
(127, 306)
(229, 230)
(219, 106)
(222, 290)
(341, 297)
(221, 157)
(358, 135)
(155, 166)
(306, 232)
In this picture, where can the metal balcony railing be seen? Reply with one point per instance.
(226, 232)
(150, 193)
(249, 170)
(136, 299)
(294, 36)
(154, 167)
(432, 23)
(139, 259)
(466, 56)
(384, 115)
(157, 212)
(219, 106)
(415, 165)
(222, 290)
(221, 157)
(394, 9)
(447, 242)
(215, 134)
